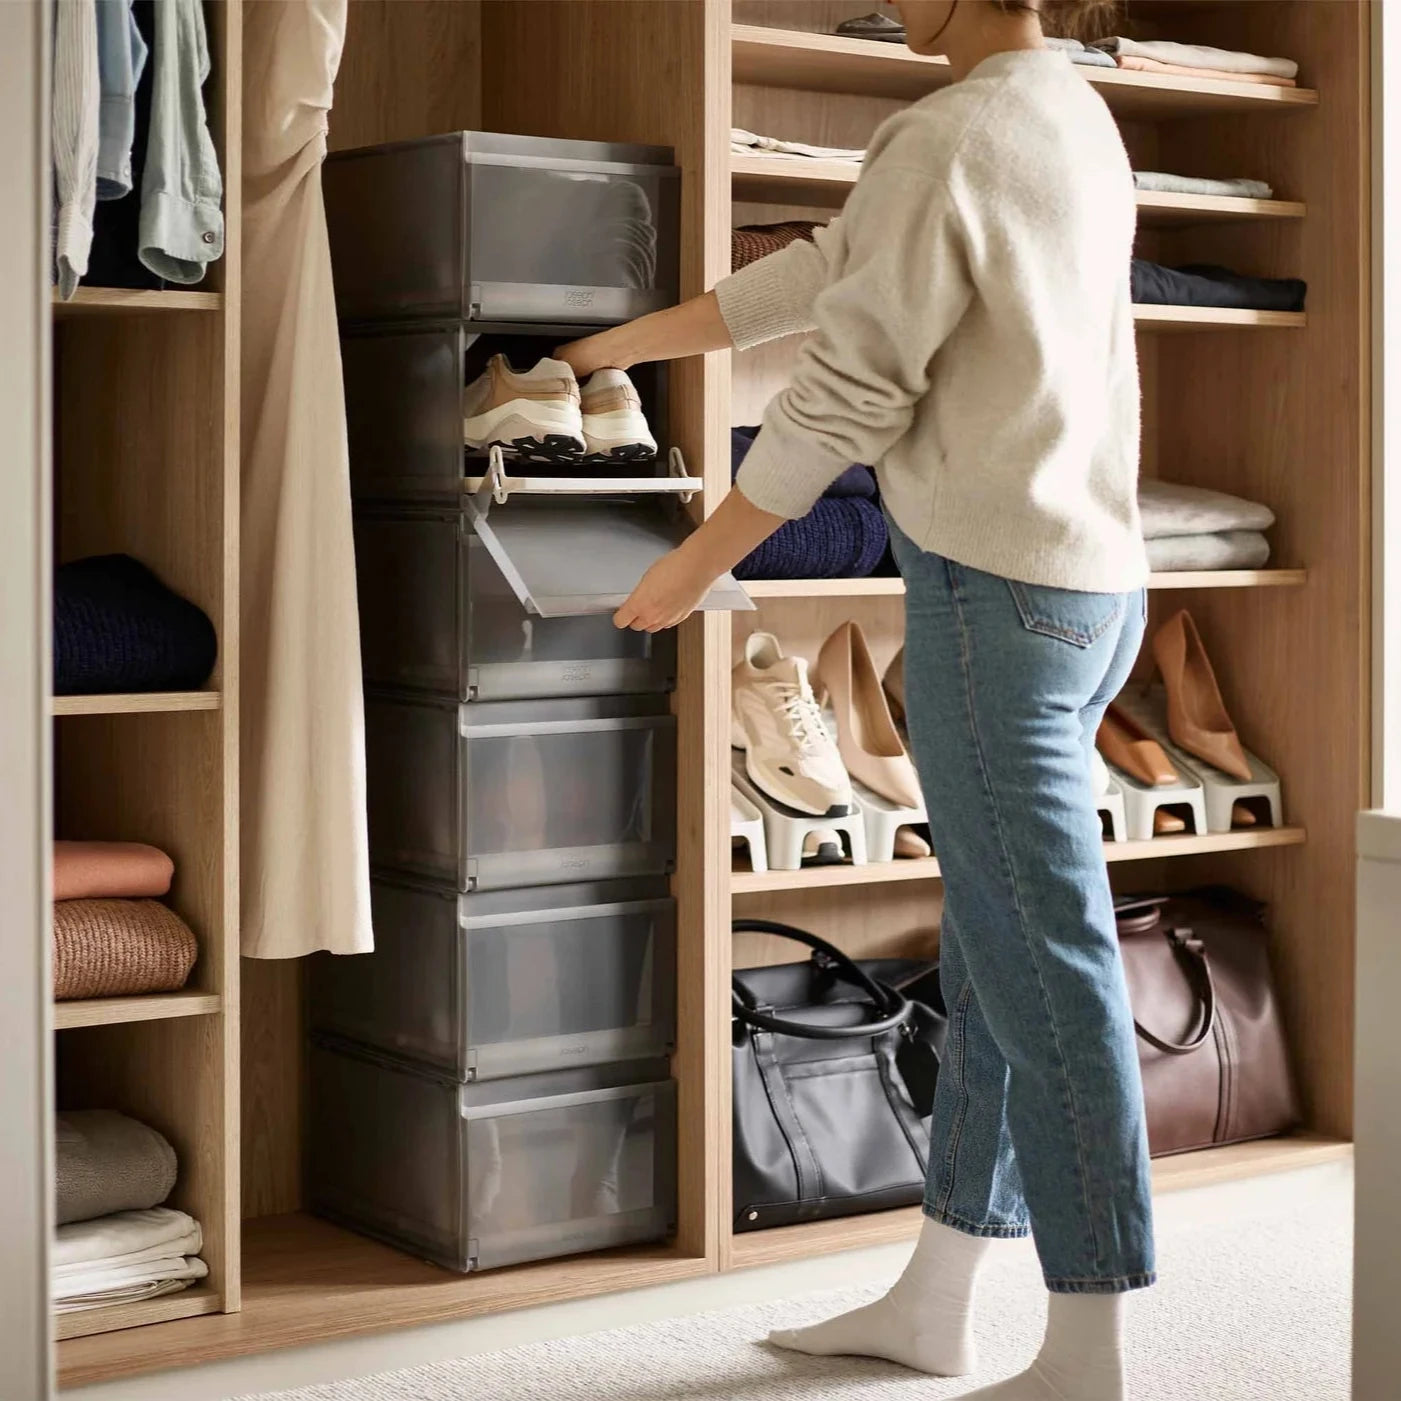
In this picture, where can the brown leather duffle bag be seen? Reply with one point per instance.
(1211, 1043)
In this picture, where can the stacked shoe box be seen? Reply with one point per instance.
(491, 1085)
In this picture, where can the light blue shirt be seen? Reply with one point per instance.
(182, 225)
(121, 59)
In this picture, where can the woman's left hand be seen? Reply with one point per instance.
(667, 594)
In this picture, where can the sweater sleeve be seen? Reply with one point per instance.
(903, 287)
(774, 296)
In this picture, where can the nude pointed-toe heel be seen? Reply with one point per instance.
(1197, 718)
(867, 739)
(1128, 746)
(894, 683)
(1166, 824)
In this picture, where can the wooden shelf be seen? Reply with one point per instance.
(120, 301)
(120, 1318)
(111, 1011)
(1212, 318)
(927, 868)
(1202, 1169)
(790, 58)
(306, 1281)
(886, 587)
(798, 180)
(140, 703)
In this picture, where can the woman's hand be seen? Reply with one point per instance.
(668, 593)
(598, 352)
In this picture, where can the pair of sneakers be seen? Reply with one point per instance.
(544, 414)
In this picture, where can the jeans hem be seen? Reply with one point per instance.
(998, 1230)
(1120, 1284)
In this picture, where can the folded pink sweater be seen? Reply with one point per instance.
(109, 870)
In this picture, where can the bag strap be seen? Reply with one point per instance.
(892, 1008)
(1191, 954)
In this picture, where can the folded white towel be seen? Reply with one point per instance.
(125, 1236)
(131, 1294)
(751, 143)
(1200, 56)
(1169, 509)
(95, 1280)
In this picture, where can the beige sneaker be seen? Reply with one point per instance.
(533, 414)
(788, 753)
(615, 428)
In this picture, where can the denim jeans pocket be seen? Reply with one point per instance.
(1074, 617)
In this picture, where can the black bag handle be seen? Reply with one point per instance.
(893, 1008)
(1191, 953)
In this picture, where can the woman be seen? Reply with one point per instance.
(973, 336)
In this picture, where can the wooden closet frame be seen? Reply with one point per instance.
(1270, 406)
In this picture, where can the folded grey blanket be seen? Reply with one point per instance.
(1167, 183)
(105, 1162)
(1227, 549)
(1170, 509)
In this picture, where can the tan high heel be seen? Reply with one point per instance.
(867, 739)
(1196, 714)
(1128, 746)
(894, 684)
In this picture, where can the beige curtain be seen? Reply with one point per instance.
(304, 845)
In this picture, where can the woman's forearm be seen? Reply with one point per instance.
(689, 329)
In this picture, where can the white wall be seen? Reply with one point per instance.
(25, 1366)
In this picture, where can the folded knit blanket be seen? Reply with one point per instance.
(840, 538)
(117, 948)
(1168, 509)
(1227, 549)
(1206, 284)
(105, 1162)
(854, 481)
(751, 242)
(110, 870)
(118, 628)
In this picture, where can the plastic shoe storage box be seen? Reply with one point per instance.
(521, 792)
(481, 1175)
(468, 635)
(508, 982)
(489, 227)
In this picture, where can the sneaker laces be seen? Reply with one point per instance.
(799, 708)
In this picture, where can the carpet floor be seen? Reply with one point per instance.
(1254, 1307)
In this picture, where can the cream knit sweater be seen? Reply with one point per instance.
(973, 335)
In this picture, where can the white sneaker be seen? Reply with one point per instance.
(533, 414)
(788, 752)
(615, 428)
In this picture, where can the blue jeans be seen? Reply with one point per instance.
(1038, 1116)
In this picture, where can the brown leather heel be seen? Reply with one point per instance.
(1196, 715)
(1128, 746)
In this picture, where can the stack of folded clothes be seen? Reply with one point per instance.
(1199, 61)
(115, 1241)
(117, 628)
(751, 143)
(112, 937)
(1166, 183)
(1205, 284)
(1189, 527)
(844, 536)
(1076, 52)
(750, 242)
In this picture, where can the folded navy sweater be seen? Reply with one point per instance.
(118, 628)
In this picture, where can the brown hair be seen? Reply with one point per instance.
(1070, 19)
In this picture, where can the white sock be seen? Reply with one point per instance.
(924, 1322)
(1082, 1358)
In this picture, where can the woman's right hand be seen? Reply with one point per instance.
(597, 352)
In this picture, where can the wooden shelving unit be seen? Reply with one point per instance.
(882, 587)
(143, 703)
(1281, 419)
(121, 301)
(113, 1011)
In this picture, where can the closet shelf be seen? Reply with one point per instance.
(894, 587)
(1204, 1168)
(791, 58)
(927, 868)
(1213, 318)
(110, 1011)
(119, 1318)
(798, 180)
(118, 301)
(138, 703)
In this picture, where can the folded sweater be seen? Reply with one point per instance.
(1170, 509)
(1219, 61)
(117, 948)
(1227, 549)
(105, 1162)
(109, 870)
(1205, 284)
(1193, 185)
(1182, 70)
